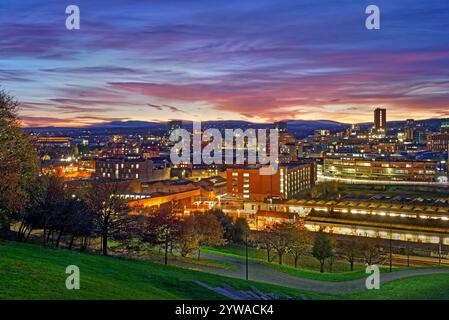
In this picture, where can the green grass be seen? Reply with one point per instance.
(326, 276)
(33, 272)
(307, 266)
(431, 287)
(236, 251)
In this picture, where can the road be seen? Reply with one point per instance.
(263, 273)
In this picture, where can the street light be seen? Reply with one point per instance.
(246, 252)
(391, 254)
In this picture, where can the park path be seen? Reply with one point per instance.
(263, 273)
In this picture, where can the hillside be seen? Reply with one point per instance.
(33, 272)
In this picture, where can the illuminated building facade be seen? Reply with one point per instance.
(386, 170)
(246, 182)
(54, 141)
(380, 120)
(124, 168)
(438, 142)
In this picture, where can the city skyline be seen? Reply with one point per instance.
(258, 61)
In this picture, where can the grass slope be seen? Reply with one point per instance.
(307, 265)
(431, 287)
(33, 272)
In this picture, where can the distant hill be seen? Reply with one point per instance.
(127, 124)
(299, 128)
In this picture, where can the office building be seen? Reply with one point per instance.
(289, 180)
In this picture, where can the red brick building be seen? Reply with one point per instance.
(289, 180)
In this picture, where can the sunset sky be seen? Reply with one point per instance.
(256, 60)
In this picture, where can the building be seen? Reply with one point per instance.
(380, 120)
(322, 133)
(124, 168)
(64, 142)
(290, 179)
(445, 127)
(409, 130)
(438, 142)
(168, 186)
(281, 126)
(403, 219)
(381, 169)
(173, 125)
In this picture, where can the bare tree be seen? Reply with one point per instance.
(300, 245)
(372, 252)
(110, 211)
(350, 250)
(281, 238)
(264, 241)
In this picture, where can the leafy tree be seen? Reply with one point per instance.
(18, 162)
(322, 248)
(109, 210)
(45, 210)
(240, 230)
(30, 217)
(226, 223)
(209, 230)
(333, 255)
(80, 222)
(189, 239)
(163, 228)
(52, 207)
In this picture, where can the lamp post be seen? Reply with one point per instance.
(391, 253)
(246, 254)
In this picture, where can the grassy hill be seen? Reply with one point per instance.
(33, 272)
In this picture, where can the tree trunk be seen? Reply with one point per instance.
(268, 255)
(104, 241)
(28, 235)
(45, 235)
(166, 253)
(21, 232)
(58, 240)
(199, 253)
(352, 265)
(48, 236)
(280, 257)
(296, 261)
(321, 266)
(71, 242)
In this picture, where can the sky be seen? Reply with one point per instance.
(255, 60)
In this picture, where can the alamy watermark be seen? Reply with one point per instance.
(373, 280)
(72, 22)
(372, 22)
(261, 148)
(73, 280)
